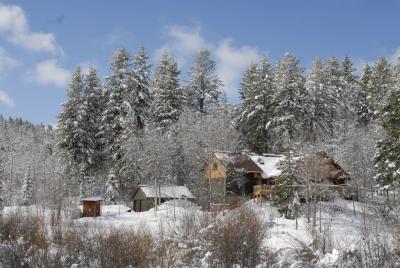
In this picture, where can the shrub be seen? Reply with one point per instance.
(236, 239)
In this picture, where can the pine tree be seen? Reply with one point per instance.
(350, 88)
(137, 114)
(169, 98)
(27, 187)
(285, 182)
(321, 123)
(335, 94)
(291, 101)
(115, 115)
(90, 113)
(256, 94)
(203, 87)
(2, 182)
(140, 98)
(387, 162)
(380, 83)
(85, 183)
(111, 192)
(68, 121)
(387, 157)
(363, 108)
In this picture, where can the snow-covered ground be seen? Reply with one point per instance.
(121, 216)
(341, 220)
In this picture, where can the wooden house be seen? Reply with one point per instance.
(238, 173)
(91, 207)
(221, 167)
(146, 196)
(254, 175)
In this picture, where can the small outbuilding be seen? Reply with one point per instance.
(145, 196)
(91, 207)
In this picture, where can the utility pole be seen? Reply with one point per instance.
(224, 193)
(155, 196)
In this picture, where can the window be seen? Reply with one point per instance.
(215, 166)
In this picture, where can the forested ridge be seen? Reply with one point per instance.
(143, 123)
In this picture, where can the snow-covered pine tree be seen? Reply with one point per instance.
(291, 101)
(136, 113)
(90, 113)
(68, 120)
(169, 98)
(204, 85)
(85, 184)
(387, 158)
(111, 192)
(387, 161)
(286, 180)
(2, 181)
(321, 123)
(140, 98)
(117, 107)
(256, 93)
(27, 187)
(363, 108)
(350, 88)
(335, 94)
(380, 83)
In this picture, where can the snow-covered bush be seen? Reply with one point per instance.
(121, 248)
(236, 239)
(372, 250)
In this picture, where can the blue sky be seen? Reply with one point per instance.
(41, 42)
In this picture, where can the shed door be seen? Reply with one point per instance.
(137, 205)
(98, 209)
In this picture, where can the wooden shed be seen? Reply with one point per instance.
(91, 207)
(145, 195)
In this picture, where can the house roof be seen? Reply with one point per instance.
(166, 191)
(239, 161)
(268, 164)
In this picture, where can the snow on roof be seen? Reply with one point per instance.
(167, 191)
(239, 161)
(92, 198)
(268, 164)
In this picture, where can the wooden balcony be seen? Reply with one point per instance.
(308, 191)
(265, 191)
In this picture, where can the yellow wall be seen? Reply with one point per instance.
(211, 172)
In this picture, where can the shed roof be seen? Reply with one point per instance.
(166, 191)
(92, 198)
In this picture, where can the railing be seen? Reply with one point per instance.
(304, 191)
(262, 191)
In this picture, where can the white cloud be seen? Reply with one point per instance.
(6, 62)
(182, 43)
(187, 40)
(395, 57)
(118, 37)
(14, 25)
(359, 63)
(49, 72)
(86, 66)
(232, 62)
(6, 99)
